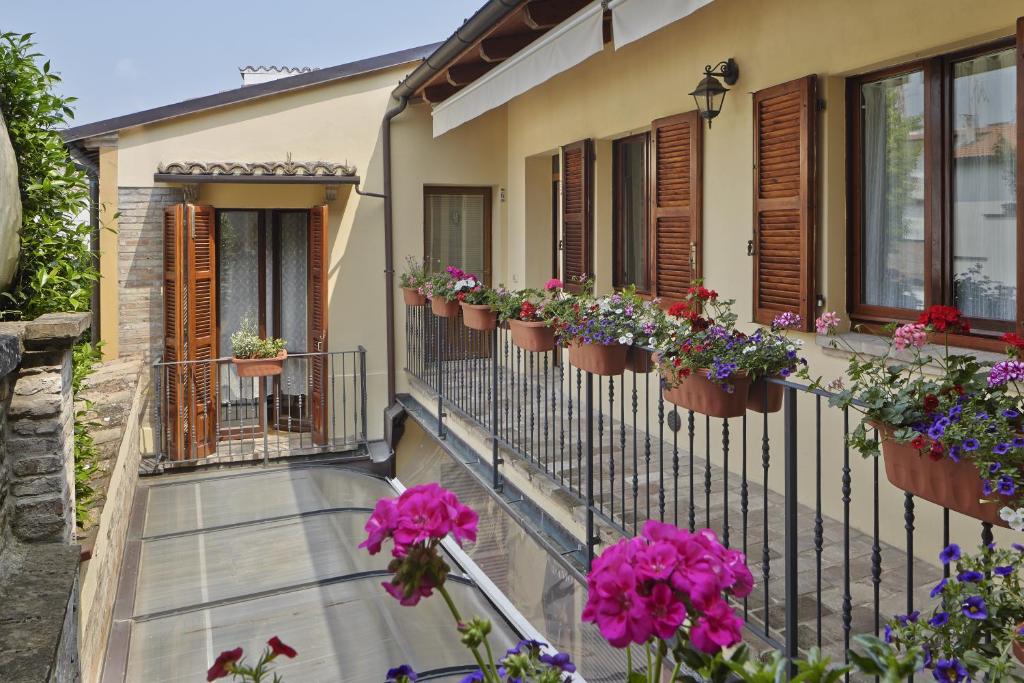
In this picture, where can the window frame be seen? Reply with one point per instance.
(484, 191)
(618, 213)
(937, 73)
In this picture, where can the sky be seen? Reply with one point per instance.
(121, 56)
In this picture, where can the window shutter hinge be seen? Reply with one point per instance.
(819, 301)
(750, 247)
(821, 104)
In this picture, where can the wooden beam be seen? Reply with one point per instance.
(464, 74)
(440, 92)
(500, 48)
(544, 14)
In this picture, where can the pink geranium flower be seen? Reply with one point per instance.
(914, 334)
(717, 628)
(553, 283)
(826, 322)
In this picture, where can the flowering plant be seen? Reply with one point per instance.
(451, 285)
(232, 663)
(667, 588)
(969, 635)
(416, 522)
(414, 275)
(769, 351)
(606, 320)
(529, 305)
(945, 405)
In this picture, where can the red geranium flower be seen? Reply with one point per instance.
(931, 402)
(526, 310)
(677, 310)
(936, 451)
(220, 665)
(279, 648)
(917, 442)
(944, 319)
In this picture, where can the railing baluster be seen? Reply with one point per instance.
(744, 506)
(661, 457)
(707, 471)
(765, 556)
(792, 542)
(819, 529)
(675, 465)
(636, 463)
(725, 481)
(847, 490)
(691, 431)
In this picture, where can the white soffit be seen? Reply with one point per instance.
(634, 19)
(561, 48)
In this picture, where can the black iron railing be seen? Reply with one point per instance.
(815, 520)
(204, 412)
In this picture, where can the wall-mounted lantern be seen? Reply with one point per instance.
(710, 92)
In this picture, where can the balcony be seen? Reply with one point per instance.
(317, 405)
(834, 548)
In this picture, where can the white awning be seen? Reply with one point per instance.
(634, 19)
(561, 48)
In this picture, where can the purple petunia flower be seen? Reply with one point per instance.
(1003, 571)
(1007, 487)
(560, 661)
(1018, 442)
(939, 587)
(939, 619)
(950, 670)
(971, 444)
(974, 608)
(970, 577)
(995, 467)
(950, 553)
(474, 677)
(954, 453)
(987, 488)
(403, 672)
(1006, 371)
(1001, 448)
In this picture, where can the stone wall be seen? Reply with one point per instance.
(10, 356)
(140, 267)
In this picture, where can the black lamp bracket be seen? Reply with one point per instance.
(728, 71)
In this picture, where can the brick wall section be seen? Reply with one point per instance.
(140, 267)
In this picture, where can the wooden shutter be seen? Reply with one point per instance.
(675, 170)
(202, 326)
(577, 213)
(174, 378)
(318, 321)
(784, 200)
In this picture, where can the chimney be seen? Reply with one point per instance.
(251, 75)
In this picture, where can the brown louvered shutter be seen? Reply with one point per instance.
(202, 327)
(577, 213)
(318, 321)
(784, 200)
(174, 378)
(676, 204)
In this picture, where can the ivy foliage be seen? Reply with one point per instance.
(56, 270)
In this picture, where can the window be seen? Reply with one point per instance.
(630, 226)
(934, 189)
(457, 229)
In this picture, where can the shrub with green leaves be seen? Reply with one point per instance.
(56, 270)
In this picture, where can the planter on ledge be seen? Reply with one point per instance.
(260, 367)
(599, 359)
(443, 308)
(640, 361)
(757, 400)
(701, 395)
(532, 336)
(413, 297)
(953, 485)
(479, 317)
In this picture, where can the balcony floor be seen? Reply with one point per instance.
(216, 561)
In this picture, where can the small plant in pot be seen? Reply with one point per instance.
(974, 630)
(526, 311)
(599, 330)
(770, 353)
(255, 356)
(947, 425)
(443, 290)
(411, 281)
(478, 303)
(701, 366)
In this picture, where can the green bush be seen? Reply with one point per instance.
(56, 271)
(247, 343)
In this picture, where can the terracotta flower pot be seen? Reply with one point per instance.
(599, 359)
(756, 400)
(479, 317)
(413, 297)
(640, 361)
(443, 308)
(532, 336)
(1018, 643)
(954, 485)
(701, 395)
(260, 367)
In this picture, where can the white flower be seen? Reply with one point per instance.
(749, 349)
(626, 339)
(1015, 518)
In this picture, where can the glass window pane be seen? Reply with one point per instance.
(893, 192)
(632, 213)
(455, 231)
(984, 179)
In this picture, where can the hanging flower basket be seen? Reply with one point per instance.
(443, 308)
(701, 395)
(413, 297)
(640, 361)
(479, 317)
(756, 400)
(599, 359)
(953, 485)
(260, 367)
(532, 336)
